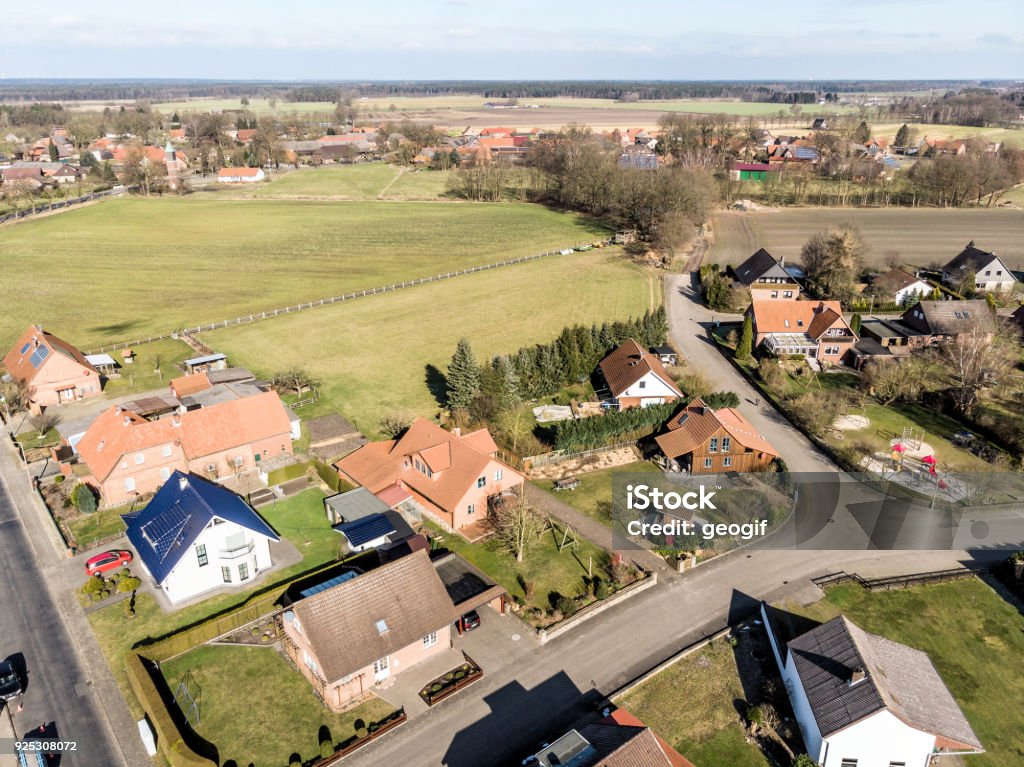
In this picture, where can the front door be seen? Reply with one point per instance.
(381, 670)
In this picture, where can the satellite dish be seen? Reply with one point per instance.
(289, 616)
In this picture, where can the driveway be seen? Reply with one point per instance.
(689, 321)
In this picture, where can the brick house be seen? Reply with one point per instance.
(126, 456)
(815, 329)
(637, 378)
(702, 440)
(451, 476)
(53, 371)
(359, 634)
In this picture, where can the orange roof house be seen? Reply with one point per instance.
(53, 371)
(701, 440)
(815, 329)
(183, 386)
(453, 477)
(126, 456)
(636, 377)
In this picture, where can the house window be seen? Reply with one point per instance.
(471, 508)
(787, 294)
(498, 475)
(988, 273)
(481, 481)
(999, 272)
(727, 461)
(165, 473)
(430, 639)
(238, 461)
(726, 444)
(309, 661)
(643, 384)
(775, 294)
(167, 451)
(707, 463)
(140, 458)
(201, 555)
(897, 764)
(848, 763)
(713, 445)
(785, 323)
(380, 668)
(243, 571)
(225, 573)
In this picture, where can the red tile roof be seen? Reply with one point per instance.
(233, 172)
(200, 432)
(456, 462)
(698, 422)
(18, 363)
(772, 316)
(182, 386)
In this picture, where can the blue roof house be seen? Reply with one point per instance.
(196, 536)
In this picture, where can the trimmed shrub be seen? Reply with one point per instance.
(83, 498)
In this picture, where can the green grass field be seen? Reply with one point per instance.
(372, 355)
(257, 710)
(974, 638)
(128, 268)
(690, 705)
(593, 496)
(257, 105)
(142, 374)
(916, 236)
(362, 181)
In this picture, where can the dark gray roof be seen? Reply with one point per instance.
(757, 266)
(946, 317)
(605, 745)
(468, 587)
(970, 258)
(229, 375)
(897, 678)
(894, 280)
(355, 504)
(223, 392)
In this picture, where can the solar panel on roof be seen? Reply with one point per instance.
(331, 583)
(38, 356)
(25, 348)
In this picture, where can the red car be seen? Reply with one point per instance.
(108, 560)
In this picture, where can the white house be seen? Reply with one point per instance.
(900, 286)
(196, 535)
(862, 700)
(240, 175)
(990, 273)
(636, 377)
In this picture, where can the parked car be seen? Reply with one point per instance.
(10, 685)
(108, 560)
(471, 620)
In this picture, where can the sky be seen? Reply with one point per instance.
(516, 40)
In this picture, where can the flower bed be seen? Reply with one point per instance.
(451, 682)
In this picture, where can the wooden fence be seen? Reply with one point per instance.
(895, 581)
(61, 204)
(269, 313)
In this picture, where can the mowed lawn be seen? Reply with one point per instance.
(257, 710)
(360, 181)
(974, 638)
(594, 494)
(691, 705)
(129, 268)
(918, 237)
(372, 355)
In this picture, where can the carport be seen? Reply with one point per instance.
(468, 588)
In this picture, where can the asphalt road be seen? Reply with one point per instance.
(57, 691)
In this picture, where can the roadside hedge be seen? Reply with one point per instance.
(168, 736)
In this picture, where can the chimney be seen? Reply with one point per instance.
(182, 482)
(127, 420)
(782, 262)
(176, 420)
(857, 676)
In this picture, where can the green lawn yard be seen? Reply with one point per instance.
(690, 705)
(151, 266)
(974, 638)
(548, 569)
(362, 181)
(593, 496)
(300, 519)
(372, 355)
(141, 375)
(90, 528)
(257, 710)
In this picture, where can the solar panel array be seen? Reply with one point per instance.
(38, 356)
(366, 529)
(163, 531)
(331, 583)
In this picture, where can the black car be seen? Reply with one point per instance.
(471, 620)
(10, 685)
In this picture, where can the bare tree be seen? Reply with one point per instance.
(44, 421)
(906, 379)
(977, 358)
(516, 524)
(296, 379)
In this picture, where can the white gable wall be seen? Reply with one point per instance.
(802, 708)
(189, 578)
(921, 288)
(878, 741)
(650, 386)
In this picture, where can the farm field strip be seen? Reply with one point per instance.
(915, 236)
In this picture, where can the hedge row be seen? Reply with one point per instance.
(296, 470)
(168, 736)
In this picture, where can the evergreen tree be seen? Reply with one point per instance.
(506, 383)
(855, 323)
(54, 153)
(454, 159)
(109, 177)
(862, 133)
(463, 380)
(902, 135)
(746, 342)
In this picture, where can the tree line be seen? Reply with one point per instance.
(628, 425)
